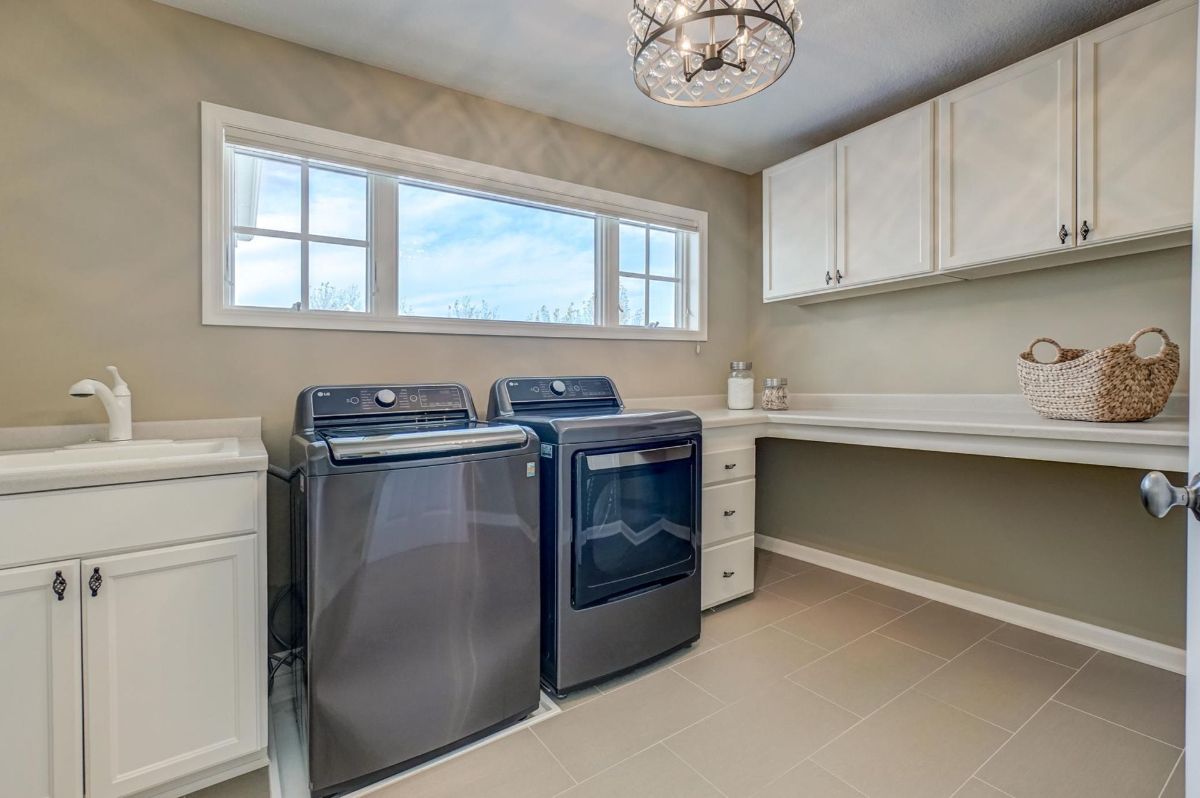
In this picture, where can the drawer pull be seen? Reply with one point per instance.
(59, 585)
(727, 574)
(730, 466)
(95, 581)
(729, 513)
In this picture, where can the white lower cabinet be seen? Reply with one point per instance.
(41, 703)
(170, 663)
(727, 572)
(141, 672)
(727, 518)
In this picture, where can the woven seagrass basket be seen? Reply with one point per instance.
(1109, 384)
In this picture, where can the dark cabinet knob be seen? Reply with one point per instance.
(95, 581)
(1084, 230)
(59, 585)
(1064, 234)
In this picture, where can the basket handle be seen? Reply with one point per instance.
(1029, 352)
(1159, 331)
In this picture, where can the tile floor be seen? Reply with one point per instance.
(822, 685)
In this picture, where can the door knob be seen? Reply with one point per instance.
(1159, 495)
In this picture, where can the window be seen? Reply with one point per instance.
(306, 227)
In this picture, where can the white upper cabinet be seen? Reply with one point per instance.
(1137, 88)
(1006, 162)
(885, 199)
(171, 663)
(41, 701)
(800, 224)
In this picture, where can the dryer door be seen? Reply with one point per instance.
(635, 519)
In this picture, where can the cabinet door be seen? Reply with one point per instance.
(885, 198)
(799, 224)
(169, 663)
(1137, 101)
(41, 701)
(1006, 162)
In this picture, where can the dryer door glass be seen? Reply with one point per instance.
(635, 519)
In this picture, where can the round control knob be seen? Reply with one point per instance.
(385, 398)
(558, 387)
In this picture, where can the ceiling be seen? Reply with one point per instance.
(857, 61)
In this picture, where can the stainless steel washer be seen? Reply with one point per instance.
(415, 537)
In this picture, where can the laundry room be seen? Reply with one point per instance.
(654, 398)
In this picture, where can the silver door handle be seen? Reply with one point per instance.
(604, 462)
(1159, 495)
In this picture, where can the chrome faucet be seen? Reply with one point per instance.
(117, 401)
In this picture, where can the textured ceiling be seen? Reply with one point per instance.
(857, 61)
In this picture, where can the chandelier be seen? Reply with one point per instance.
(710, 52)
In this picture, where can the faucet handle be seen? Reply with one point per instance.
(120, 388)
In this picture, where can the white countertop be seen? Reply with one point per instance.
(249, 455)
(998, 425)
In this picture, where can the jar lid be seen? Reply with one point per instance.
(741, 365)
(774, 382)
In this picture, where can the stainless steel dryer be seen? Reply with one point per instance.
(415, 537)
(620, 525)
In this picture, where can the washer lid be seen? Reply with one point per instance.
(348, 445)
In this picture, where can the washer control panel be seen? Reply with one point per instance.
(361, 400)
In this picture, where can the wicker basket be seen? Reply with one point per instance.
(1109, 384)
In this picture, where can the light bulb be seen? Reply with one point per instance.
(684, 43)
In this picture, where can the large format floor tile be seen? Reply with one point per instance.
(1065, 753)
(940, 629)
(610, 728)
(834, 623)
(915, 747)
(654, 773)
(1137, 696)
(808, 780)
(868, 673)
(747, 745)
(978, 789)
(1055, 649)
(745, 615)
(516, 765)
(814, 585)
(771, 567)
(889, 596)
(999, 684)
(738, 668)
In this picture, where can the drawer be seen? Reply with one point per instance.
(728, 465)
(726, 572)
(727, 511)
(35, 527)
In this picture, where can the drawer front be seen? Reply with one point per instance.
(35, 527)
(728, 465)
(728, 512)
(726, 572)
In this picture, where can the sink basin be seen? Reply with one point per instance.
(99, 454)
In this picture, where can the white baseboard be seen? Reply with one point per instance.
(1150, 652)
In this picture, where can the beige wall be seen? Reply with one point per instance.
(100, 219)
(1069, 539)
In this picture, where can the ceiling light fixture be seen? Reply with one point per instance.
(710, 52)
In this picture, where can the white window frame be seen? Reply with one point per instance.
(221, 124)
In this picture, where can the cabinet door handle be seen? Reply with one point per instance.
(1084, 230)
(727, 574)
(839, 277)
(95, 581)
(730, 466)
(729, 513)
(828, 277)
(59, 585)
(1064, 234)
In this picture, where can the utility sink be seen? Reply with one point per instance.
(99, 454)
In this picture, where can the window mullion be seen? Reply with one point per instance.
(608, 308)
(304, 235)
(385, 246)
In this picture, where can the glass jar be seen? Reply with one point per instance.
(740, 385)
(774, 393)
